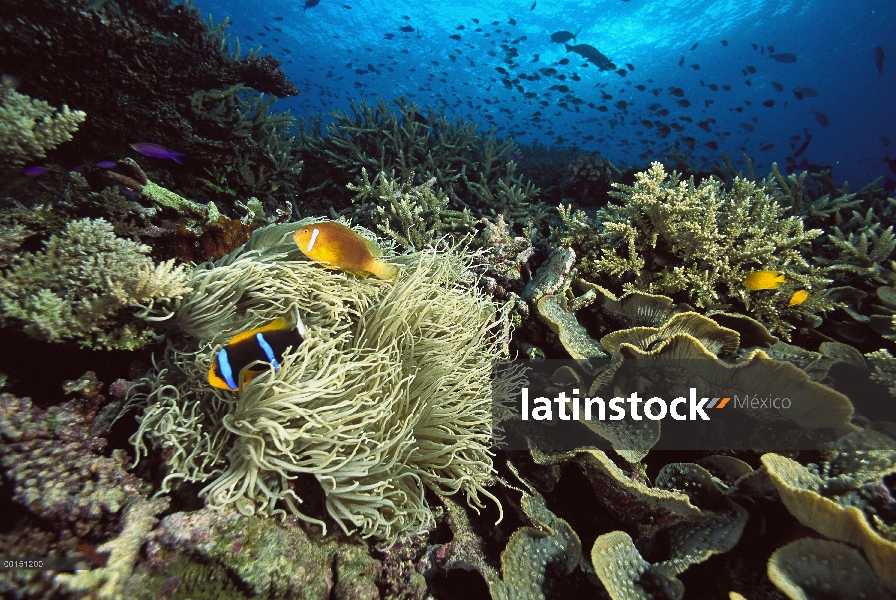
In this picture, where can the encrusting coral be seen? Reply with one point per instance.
(29, 127)
(389, 394)
(83, 285)
(137, 181)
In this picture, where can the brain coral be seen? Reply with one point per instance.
(389, 394)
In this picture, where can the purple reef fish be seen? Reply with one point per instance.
(156, 151)
(36, 171)
(513, 156)
(107, 164)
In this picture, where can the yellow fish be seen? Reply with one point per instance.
(764, 280)
(798, 297)
(336, 246)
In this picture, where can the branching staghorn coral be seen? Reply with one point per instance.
(884, 369)
(669, 236)
(29, 127)
(813, 206)
(475, 170)
(264, 151)
(390, 392)
(416, 217)
(380, 139)
(81, 284)
(863, 256)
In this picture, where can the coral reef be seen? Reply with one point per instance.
(697, 242)
(153, 71)
(416, 217)
(377, 441)
(474, 170)
(589, 178)
(85, 286)
(845, 497)
(29, 127)
(375, 406)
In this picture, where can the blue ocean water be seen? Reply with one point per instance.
(806, 78)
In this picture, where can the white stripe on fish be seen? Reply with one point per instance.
(314, 233)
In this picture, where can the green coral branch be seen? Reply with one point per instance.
(81, 285)
(267, 155)
(474, 170)
(665, 235)
(29, 127)
(416, 217)
(864, 254)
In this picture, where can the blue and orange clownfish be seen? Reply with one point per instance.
(231, 369)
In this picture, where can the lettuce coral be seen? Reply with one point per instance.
(389, 394)
(81, 285)
(844, 497)
(813, 568)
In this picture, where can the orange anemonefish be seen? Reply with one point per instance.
(338, 247)
(232, 370)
